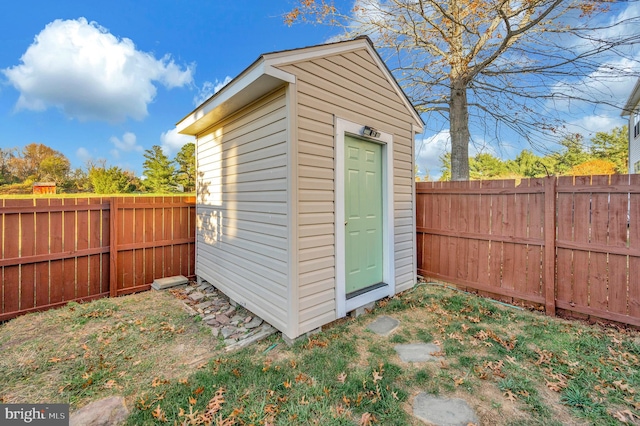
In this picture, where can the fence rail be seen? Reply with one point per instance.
(565, 243)
(56, 250)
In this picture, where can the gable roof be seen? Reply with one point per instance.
(263, 76)
(632, 102)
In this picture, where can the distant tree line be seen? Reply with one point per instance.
(20, 168)
(606, 153)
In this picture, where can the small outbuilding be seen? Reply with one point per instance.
(43, 188)
(305, 188)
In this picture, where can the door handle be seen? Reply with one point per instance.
(345, 222)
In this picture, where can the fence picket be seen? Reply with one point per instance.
(571, 246)
(57, 250)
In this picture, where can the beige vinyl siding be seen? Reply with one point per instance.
(242, 208)
(352, 87)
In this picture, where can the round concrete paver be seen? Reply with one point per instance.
(443, 411)
(383, 325)
(417, 352)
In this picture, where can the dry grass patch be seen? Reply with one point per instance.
(87, 351)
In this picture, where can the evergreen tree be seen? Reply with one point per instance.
(159, 171)
(613, 146)
(486, 166)
(529, 165)
(572, 154)
(186, 173)
(112, 180)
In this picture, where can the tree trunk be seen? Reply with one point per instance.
(459, 131)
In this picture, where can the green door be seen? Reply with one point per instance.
(363, 214)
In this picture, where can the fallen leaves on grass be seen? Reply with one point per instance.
(315, 343)
(367, 419)
(510, 395)
(626, 416)
(158, 414)
(544, 357)
(157, 382)
(342, 377)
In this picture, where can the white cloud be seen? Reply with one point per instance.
(208, 89)
(172, 141)
(428, 153)
(126, 144)
(83, 154)
(90, 74)
(589, 125)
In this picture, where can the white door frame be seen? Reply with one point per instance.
(388, 270)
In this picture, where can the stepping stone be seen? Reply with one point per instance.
(104, 412)
(196, 296)
(168, 282)
(255, 322)
(264, 331)
(417, 352)
(443, 411)
(209, 317)
(222, 319)
(228, 331)
(204, 305)
(383, 325)
(237, 319)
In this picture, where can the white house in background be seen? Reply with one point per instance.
(632, 110)
(306, 206)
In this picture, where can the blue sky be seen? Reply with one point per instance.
(110, 79)
(107, 80)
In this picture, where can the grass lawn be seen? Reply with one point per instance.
(513, 367)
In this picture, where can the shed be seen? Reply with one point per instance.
(305, 188)
(44, 187)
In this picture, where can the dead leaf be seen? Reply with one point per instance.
(376, 376)
(199, 390)
(192, 400)
(287, 384)
(110, 384)
(367, 419)
(342, 377)
(215, 403)
(510, 396)
(625, 416)
(159, 414)
(457, 382)
(54, 359)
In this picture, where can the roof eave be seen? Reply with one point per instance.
(256, 81)
(633, 100)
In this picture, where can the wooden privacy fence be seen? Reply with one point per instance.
(565, 243)
(56, 250)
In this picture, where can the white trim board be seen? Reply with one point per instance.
(388, 255)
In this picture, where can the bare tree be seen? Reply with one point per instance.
(495, 64)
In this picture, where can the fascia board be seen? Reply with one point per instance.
(249, 86)
(633, 100)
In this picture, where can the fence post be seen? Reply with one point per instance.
(113, 248)
(550, 245)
